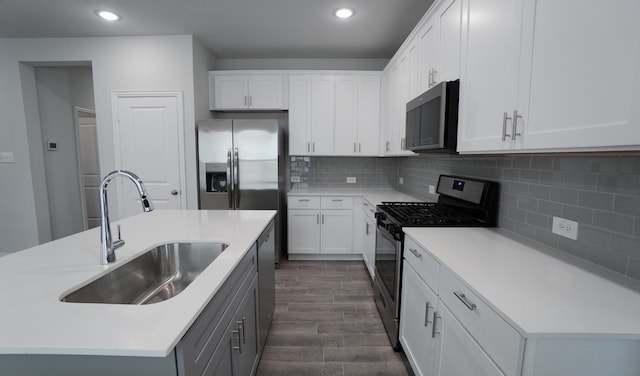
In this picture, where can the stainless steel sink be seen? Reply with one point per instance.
(158, 274)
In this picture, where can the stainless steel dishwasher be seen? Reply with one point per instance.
(266, 281)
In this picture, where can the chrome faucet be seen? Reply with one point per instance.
(107, 245)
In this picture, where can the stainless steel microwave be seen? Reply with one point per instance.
(432, 119)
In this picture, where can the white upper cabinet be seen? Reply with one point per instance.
(440, 44)
(489, 74)
(584, 74)
(403, 85)
(334, 114)
(246, 91)
(357, 124)
(311, 114)
(550, 76)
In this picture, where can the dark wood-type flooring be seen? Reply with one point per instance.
(326, 323)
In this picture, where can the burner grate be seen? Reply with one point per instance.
(427, 214)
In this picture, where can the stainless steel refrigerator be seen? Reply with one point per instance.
(242, 166)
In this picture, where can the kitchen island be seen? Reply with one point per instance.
(36, 325)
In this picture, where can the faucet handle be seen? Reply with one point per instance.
(118, 243)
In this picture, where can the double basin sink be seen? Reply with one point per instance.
(156, 275)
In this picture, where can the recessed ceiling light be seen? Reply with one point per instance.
(344, 13)
(107, 15)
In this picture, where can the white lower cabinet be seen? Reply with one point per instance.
(445, 329)
(417, 336)
(457, 354)
(320, 225)
(369, 241)
(303, 231)
(336, 234)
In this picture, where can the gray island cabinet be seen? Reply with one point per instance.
(224, 339)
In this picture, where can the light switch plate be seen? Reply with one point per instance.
(432, 189)
(6, 157)
(351, 179)
(295, 179)
(565, 227)
(400, 180)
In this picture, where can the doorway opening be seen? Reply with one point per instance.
(63, 146)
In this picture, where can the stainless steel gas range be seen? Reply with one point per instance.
(462, 202)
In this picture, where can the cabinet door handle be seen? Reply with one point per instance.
(415, 252)
(366, 228)
(464, 300)
(433, 323)
(505, 117)
(403, 144)
(317, 219)
(514, 130)
(323, 219)
(433, 76)
(250, 101)
(309, 146)
(354, 147)
(430, 77)
(243, 322)
(314, 147)
(239, 347)
(426, 315)
(359, 147)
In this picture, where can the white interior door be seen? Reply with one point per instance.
(89, 164)
(149, 142)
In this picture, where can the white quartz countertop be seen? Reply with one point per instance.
(33, 320)
(540, 295)
(374, 196)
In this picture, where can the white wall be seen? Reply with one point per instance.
(36, 154)
(119, 64)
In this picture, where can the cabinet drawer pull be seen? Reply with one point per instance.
(304, 200)
(464, 300)
(415, 252)
(337, 200)
(433, 323)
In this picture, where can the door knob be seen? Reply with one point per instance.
(174, 192)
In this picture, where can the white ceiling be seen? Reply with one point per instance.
(229, 28)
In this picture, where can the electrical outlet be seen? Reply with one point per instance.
(6, 157)
(432, 189)
(351, 179)
(400, 180)
(295, 179)
(565, 227)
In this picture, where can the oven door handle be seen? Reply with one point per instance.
(388, 231)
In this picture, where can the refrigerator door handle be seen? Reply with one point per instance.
(236, 178)
(230, 187)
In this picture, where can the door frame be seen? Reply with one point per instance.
(178, 95)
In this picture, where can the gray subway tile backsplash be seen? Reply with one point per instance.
(600, 192)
